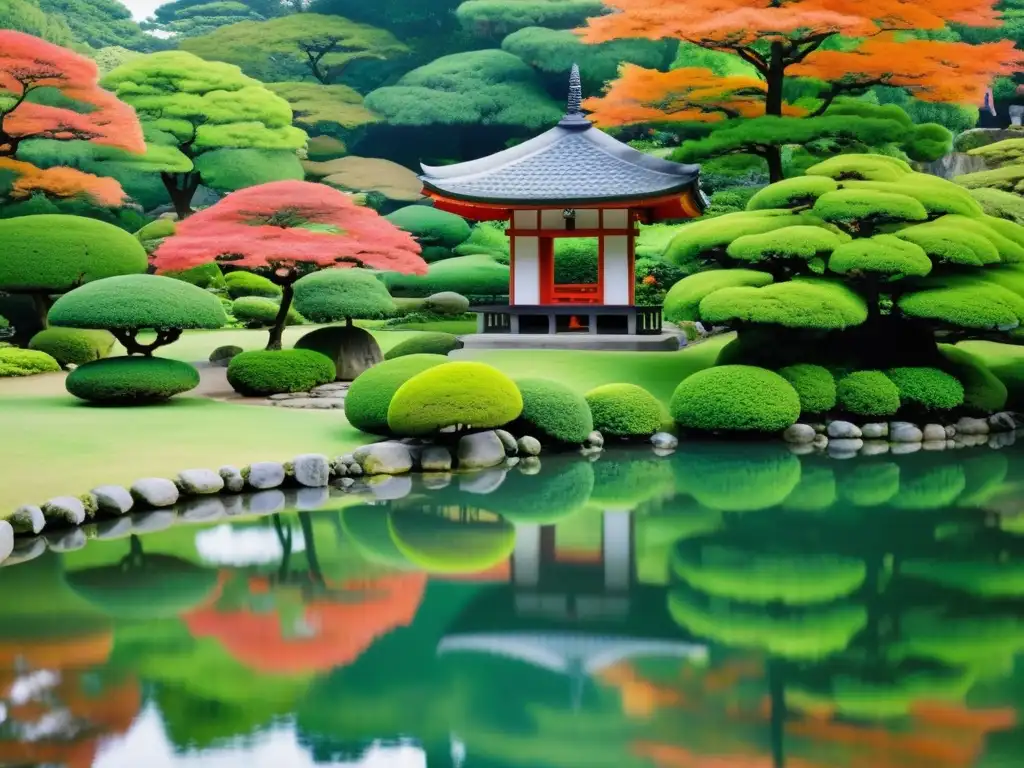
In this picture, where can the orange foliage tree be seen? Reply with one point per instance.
(844, 46)
(31, 70)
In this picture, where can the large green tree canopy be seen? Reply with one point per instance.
(100, 23)
(196, 19)
(26, 16)
(496, 18)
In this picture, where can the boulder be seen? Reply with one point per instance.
(66, 541)
(1002, 439)
(6, 540)
(266, 502)
(845, 445)
(819, 429)
(905, 432)
(155, 492)
(27, 519)
(435, 481)
(480, 450)
(799, 434)
(507, 440)
(311, 498)
(483, 483)
(113, 500)
(530, 465)
(65, 510)
(264, 474)
(820, 442)
(950, 431)
(388, 458)
(114, 528)
(595, 439)
(233, 480)
(436, 458)
(844, 430)
(874, 448)
(390, 487)
(874, 431)
(311, 470)
(800, 449)
(1002, 422)
(25, 550)
(934, 445)
(901, 449)
(151, 522)
(221, 356)
(969, 426)
(200, 482)
(664, 441)
(203, 509)
(934, 432)
(529, 446)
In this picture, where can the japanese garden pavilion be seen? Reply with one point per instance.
(572, 181)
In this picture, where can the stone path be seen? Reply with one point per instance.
(324, 397)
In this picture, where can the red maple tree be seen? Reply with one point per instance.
(287, 229)
(848, 46)
(29, 65)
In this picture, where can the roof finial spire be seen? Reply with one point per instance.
(575, 91)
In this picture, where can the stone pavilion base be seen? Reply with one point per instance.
(664, 342)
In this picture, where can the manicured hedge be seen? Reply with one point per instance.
(984, 392)
(927, 389)
(805, 303)
(25, 362)
(271, 372)
(331, 295)
(241, 283)
(431, 226)
(131, 380)
(791, 193)
(553, 412)
(625, 410)
(868, 393)
(446, 303)
(682, 302)
(425, 344)
(260, 312)
(72, 346)
(369, 397)
(735, 398)
(461, 393)
(815, 385)
(207, 276)
(477, 275)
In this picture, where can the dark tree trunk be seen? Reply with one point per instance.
(277, 330)
(181, 188)
(773, 106)
(42, 304)
(774, 157)
(128, 338)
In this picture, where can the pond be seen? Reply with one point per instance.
(733, 606)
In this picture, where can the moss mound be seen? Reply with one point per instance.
(271, 372)
(868, 393)
(431, 226)
(242, 283)
(25, 362)
(131, 380)
(759, 478)
(927, 389)
(735, 398)
(468, 394)
(682, 302)
(72, 346)
(625, 480)
(338, 294)
(625, 410)
(552, 412)
(560, 489)
(425, 344)
(260, 312)
(438, 544)
(984, 393)
(815, 386)
(369, 397)
(805, 303)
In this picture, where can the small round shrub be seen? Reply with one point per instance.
(368, 399)
(271, 372)
(927, 389)
(259, 312)
(206, 276)
(472, 395)
(815, 386)
(984, 393)
(553, 412)
(624, 410)
(223, 355)
(425, 344)
(243, 283)
(431, 226)
(339, 294)
(131, 380)
(71, 346)
(868, 393)
(735, 398)
(446, 303)
(25, 362)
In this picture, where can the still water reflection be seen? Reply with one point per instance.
(729, 607)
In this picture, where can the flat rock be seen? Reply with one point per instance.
(265, 474)
(113, 500)
(969, 426)
(436, 458)
(904, 432)
(6, 540)
(151, 522)
(387, 458)
(312, 470)
(233, 480)
(333, 387)
(529, 446)
(200, 482)
(114, 528)
(286, 396)
(933, 433)
(435, 481)
(664, 441)
(155, 492)
(874, 431)
(934, 445)
(65, 510)
(874, 448)
(507, 440)
(389, 487)
(844, 430)
(66, 541)
(480, 450)
(901, 449)
(312, 403)
(845, 445)
(484, 482)
(798, 434)
(203, 509)
(266, 502)
(27, 519)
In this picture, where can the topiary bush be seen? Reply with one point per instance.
(735, 398)
(369, 397)
(552, 412)
(815, 386)
(927, 389)
(271, 372)
(71, 346)
(477, 275)
(25, 362)
(984, 393)
(425, 344)
(260, 312)
(471, 395)
(131, 380)
(683, 299)
(242, 283)
(431, 226)
(868, 393)
(331, 295)
(625, 410)
(446, 303)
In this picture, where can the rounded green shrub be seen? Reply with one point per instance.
(271, 372)
(260, 312)
(473, 395)
(25, 362)
(927, 389)
(983, 391)
(425, 344)
(446, 303)
(885, 256)
(868, 393)
(131, 380)
(805, 303)
(846, 206)
(369, 397)
(735, 398)
(576, 260)
(682, 302)
(242, 283)
(131, 302)
(864, 167)
(797, 192)
(802, 243)
(341, 294)
(815, 386)
(477, 275)
(71, 346)
(206, 276)
(624, 410)
(431, 226)
(966, 303)
(553, 412)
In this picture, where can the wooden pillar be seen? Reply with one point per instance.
(525, 270)
(617, 277)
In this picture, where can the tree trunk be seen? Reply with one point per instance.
(181, 188)
(277, 330)
(42, 303)
(773, 106)
(774, 157)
